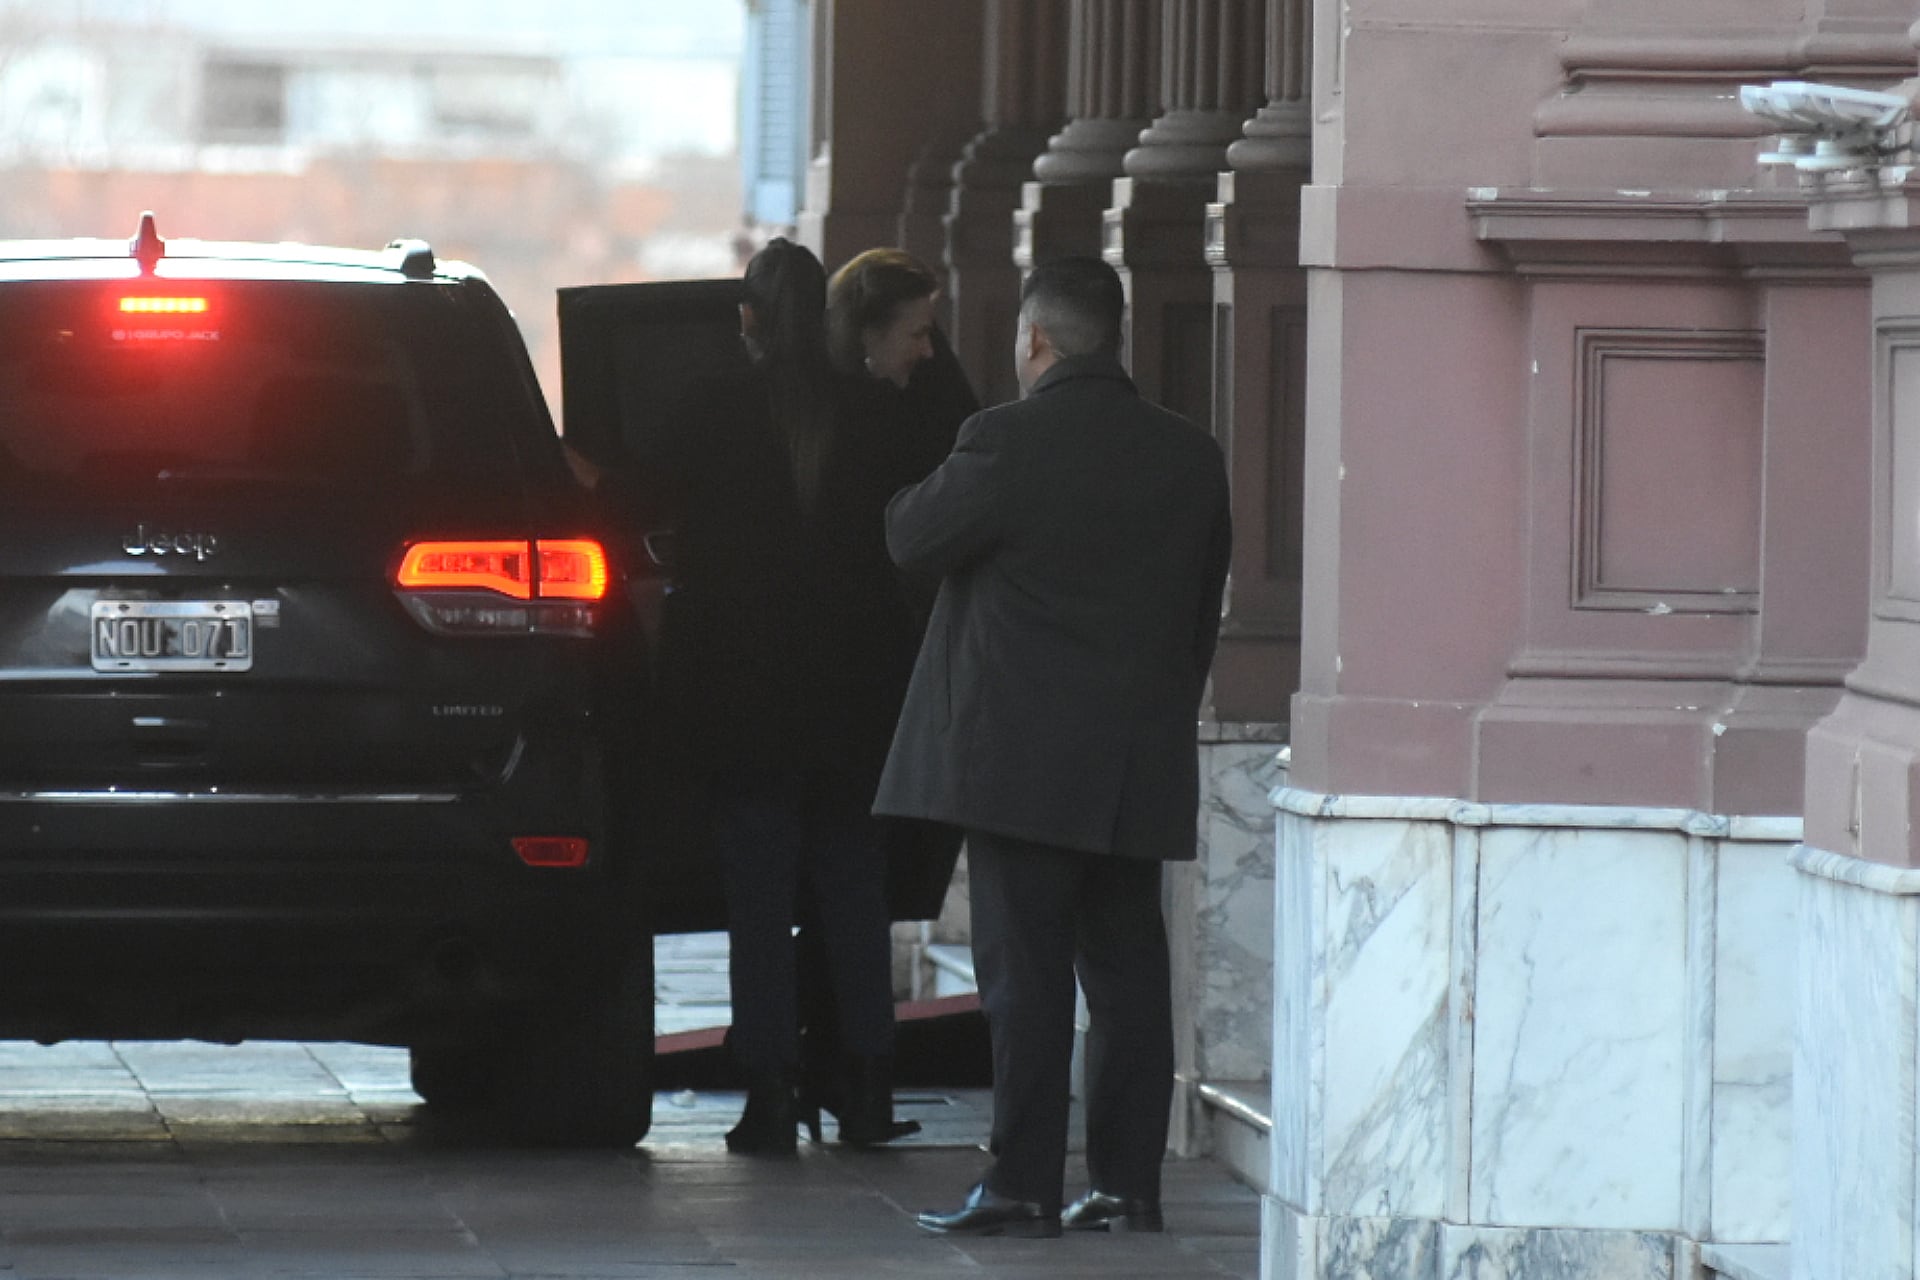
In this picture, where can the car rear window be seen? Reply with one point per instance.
(310, 383)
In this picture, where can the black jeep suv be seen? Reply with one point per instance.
(298, 667)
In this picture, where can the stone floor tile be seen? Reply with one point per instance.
(117, 1236)
(68, 1054)
(22, 1214)
(67, 1125)
(276, 1161)
(106, 1261)
(33, 1100)
(210, 1070)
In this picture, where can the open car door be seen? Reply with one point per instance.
(631, 358)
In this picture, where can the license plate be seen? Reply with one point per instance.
(172, 635)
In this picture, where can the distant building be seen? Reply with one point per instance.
(124, 83)
(773, 112)
(589, 142)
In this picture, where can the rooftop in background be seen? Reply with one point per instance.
(695, 29)
(151, 85)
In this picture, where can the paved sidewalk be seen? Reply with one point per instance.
(180, 1161)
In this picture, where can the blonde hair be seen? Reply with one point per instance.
(865, 293)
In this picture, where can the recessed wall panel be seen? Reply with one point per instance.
(1903, 473)
(1668, 436)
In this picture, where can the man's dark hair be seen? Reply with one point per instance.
(1079, 302)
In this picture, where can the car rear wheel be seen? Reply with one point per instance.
(454, 1075)
(580, 1073)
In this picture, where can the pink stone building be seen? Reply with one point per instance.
(1575, 932)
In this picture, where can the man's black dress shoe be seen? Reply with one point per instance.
(1098, 1211)
(987, 1213)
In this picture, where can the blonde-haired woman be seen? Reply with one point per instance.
(902, 396)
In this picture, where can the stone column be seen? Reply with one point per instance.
(1212, 59)
(1024, 100)
(1259, 294)
(1113, 83)
(1856, 1189)
(1260, 348)
(923, 219)
(873, 111)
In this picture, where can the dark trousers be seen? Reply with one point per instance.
(777, 835)
(1041, 914)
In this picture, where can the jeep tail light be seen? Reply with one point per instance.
(570, 570)
(551, 851)
(503, 567)
(504, 587)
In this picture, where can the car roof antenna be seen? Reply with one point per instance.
(147, 246)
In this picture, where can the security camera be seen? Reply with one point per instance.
(1796, 105)
(1826, 126)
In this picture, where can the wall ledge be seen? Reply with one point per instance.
(1710, 230)
(1903, 882)
(1467, 813)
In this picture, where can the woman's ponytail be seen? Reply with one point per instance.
(787, 289)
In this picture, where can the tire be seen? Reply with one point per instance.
(454, 1076)
(580, 1074)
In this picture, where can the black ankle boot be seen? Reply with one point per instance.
(766, 1127)
(866, 1118)
(822, 1085)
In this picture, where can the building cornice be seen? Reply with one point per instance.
(1628, 231)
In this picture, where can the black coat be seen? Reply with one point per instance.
(1083, 535)
(789, 635)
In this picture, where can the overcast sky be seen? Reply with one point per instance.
(668, 28)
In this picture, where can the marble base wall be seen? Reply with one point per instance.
(1855, 1181)
(1525, 1040)
(1220, 923)
(1300, 1246)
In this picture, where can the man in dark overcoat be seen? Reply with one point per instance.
(1081, 535)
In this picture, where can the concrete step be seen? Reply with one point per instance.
(1747, 1261)
(1240, 1127)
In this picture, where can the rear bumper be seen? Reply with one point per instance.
(369, 915)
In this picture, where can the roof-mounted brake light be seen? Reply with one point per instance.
(154, 306)
(146, 247)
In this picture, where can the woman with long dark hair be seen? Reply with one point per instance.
(795, 641)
